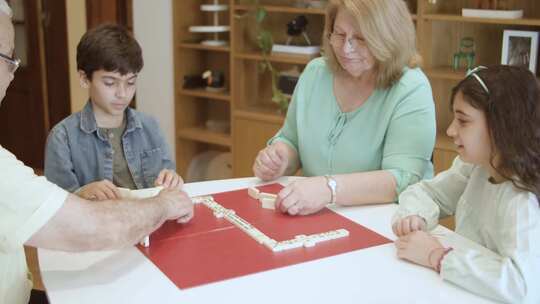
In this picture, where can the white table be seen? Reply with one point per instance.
(373, 275)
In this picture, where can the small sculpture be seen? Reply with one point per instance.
(297, 27)
(466, 51)
(210, 80)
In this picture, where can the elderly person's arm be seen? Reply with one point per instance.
(80, 225)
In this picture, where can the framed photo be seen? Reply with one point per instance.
(520, 48)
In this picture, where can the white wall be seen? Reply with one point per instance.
(76, 27)
(152, 23)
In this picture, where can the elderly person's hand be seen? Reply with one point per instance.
(305, 196)
(271, 162)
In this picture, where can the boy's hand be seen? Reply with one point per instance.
(99, 191)
(169, 179)
(409, 224)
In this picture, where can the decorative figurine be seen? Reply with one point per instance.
(297, 27)
(210, 80)
(215, 80)
(466, 51)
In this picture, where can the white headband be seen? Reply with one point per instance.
(473, 73)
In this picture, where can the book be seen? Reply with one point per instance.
(486, 13)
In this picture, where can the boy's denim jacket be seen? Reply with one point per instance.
(77, 153)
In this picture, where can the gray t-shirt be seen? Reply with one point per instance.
(121, 174)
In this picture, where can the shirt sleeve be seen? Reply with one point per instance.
(59, 167)
(512, 273)
(410, 136)
(432, 199)
(26, 204)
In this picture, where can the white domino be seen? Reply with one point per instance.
(145, 242)
(268, 203)
(254, 192)
(126, 193)
(263, 195)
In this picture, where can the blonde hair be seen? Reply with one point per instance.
(389, 33)
(4, 8)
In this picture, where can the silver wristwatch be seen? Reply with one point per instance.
(332, 184)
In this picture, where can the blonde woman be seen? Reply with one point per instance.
(361, 124)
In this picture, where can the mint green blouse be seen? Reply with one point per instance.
(393, 130)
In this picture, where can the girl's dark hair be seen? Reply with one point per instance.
(512, 112)
(109, 47)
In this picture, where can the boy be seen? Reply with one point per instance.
(108, 145)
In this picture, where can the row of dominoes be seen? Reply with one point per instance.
(268, 200)
(261, 238)
(310, 240)
(220, 211)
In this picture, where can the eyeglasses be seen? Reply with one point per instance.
(337, 40)
(13, 62)
(473, 72)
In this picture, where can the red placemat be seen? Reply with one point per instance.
(209, 249)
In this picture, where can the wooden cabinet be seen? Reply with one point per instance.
(250, 136)
(247, 101)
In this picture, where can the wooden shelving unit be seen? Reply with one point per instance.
(247, 101)
(198, 46)
(440, 27)
(225, 96)
(201, 134)
(283, 58)
(195, 107)
(498, 21)
(282, 9)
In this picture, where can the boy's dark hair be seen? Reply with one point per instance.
(512, 112)
(109, 47)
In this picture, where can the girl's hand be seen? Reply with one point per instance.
(305, 196)
(421, 248)
(409, 224)
(271, 162)
(169, 179)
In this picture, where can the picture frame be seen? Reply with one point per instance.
(520, 48)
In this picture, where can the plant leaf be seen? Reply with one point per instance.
(260, 14)
(265, 41)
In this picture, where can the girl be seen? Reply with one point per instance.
(492, 188)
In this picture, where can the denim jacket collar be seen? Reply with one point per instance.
(89, 124)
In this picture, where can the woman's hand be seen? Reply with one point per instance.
(409, 224)
(421, 248)
(271, 162)
(99, 191)
(305, 196)
(169, 179)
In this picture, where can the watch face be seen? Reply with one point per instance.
(332, 183)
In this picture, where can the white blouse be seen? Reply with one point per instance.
(503, 222)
